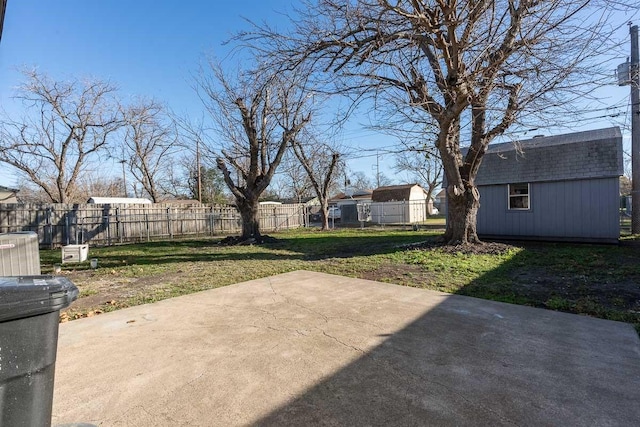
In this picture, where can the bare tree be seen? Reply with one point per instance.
(257, 115)
(423, 166)
(625, 186)
(149, 144)
(361, 181)
(67, 126)
(89, 184)
(212, 184)
(319, 160)
(293, 181)
(484, 66)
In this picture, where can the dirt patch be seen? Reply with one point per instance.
(406, 275)
(484, 248)
(575, 292)
(102, 294)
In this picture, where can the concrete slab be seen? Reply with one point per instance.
(308, 348)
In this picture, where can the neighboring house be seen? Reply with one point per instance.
(307, 201)
(625, 205)
(8, 195)
(563, 187)
(441, 201)
(400, 204)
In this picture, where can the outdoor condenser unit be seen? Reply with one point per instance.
(19, 254)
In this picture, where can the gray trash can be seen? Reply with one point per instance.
(29, 316)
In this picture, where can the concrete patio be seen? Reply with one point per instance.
(307, 348)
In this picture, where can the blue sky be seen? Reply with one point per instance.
(148, 48)
(145, 47)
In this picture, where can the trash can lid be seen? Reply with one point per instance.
(27, 296)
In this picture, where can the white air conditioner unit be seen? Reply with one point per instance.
(19, 254)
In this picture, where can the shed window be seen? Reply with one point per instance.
(519, 196)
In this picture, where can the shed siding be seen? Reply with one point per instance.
(581, 209)
(417, 193)
(398, 212)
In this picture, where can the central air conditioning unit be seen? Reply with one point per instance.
(19, 254)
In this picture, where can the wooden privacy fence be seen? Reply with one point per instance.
(108, 224)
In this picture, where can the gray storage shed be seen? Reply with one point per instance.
(563, 187)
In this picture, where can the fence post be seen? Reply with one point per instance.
(404, 215)
(146, 221)
(108, 228)
(169, 223)
(118, 224)
(211, 220)
(48, 227)
(66, 228)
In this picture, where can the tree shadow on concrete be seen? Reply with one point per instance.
(466, 361)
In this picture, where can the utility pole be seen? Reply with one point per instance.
(635, 131)
(198, 170)
(377, 166)
(124, 178)
(378, 169)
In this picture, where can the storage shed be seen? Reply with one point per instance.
(563, 187)
(399, 204)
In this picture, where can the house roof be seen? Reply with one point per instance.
(311, 200)
(580, 155)
(393, 193)
(357, 195)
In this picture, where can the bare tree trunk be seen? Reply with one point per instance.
(250, 222)
(430, 200)
(463, 198)
(324, 210)
(462, 211)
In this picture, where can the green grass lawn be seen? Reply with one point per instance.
(596, 280)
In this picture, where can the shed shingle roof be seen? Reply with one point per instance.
(580, 155)
(393, 193)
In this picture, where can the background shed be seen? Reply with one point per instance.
(563, 187)
(399, 204)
